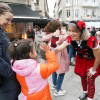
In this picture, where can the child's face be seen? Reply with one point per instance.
(33, 54)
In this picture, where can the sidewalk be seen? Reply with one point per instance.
(72, 84)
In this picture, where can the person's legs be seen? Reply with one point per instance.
(59, 81)
(59, 91)
(91, 88)
(70, 52)
(84, 95)
(54, 78)
(84, 83)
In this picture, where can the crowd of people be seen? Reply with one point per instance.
(20, 71)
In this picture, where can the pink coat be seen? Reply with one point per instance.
(62, 56)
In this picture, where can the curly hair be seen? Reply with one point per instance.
(52, 26)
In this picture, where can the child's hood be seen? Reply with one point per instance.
(24, 67)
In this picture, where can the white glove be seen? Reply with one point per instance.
(92, 72)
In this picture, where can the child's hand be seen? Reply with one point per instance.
(44, 47)
(57, 33)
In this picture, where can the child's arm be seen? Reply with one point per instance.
(52, 63)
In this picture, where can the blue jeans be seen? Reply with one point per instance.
(72, 52)
(57, 81)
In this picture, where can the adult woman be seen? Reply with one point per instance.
(87, 60)
(30, 33)
(63, 59)
(9, 87)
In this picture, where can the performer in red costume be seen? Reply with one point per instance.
(87, 64)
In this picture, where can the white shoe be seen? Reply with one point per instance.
(59, 93)
(83, 96)
(53, 87)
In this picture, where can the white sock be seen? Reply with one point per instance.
(90, 99)
(84, 91)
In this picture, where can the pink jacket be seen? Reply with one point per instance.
(62, 56)
(32, 76)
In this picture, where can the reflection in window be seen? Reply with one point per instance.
(67, 1)
(76, 1)
(93, 13)
(85, 1)
(76, 12)
(93, 1)
(68, 13)
(85, 12)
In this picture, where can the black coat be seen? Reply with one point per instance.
(9, 88)
(31, 34)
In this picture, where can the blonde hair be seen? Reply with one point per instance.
(84, 35)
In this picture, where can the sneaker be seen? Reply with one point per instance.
(53, 87)
(72, 64)
(59, 93)
(83, 96)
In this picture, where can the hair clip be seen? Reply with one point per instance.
(15, 44)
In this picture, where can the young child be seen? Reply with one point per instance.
(32, 75)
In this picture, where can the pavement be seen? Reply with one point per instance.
(72, 84)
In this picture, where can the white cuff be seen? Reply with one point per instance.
(66, 43)
(92, 72)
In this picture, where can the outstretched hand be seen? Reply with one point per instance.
(44, 47)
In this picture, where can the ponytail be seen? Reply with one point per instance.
(20, 49)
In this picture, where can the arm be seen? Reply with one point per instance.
(52, 65)
(46, 37)
(92, 70)
(61, 47)
(96, 53)
(61, 39)
(5, 69)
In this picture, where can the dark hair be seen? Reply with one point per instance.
(36, 26)
(20, 49)
(4, 8)
(52, 26)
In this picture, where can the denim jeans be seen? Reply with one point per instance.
(57, 80)
(72, 52)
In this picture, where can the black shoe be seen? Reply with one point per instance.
(83, 96)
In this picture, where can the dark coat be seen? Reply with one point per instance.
(9, 88)
(31, 34)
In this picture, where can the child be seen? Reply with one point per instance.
(32, 75)
(63, 59)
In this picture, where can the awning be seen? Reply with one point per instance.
(93, 24)
(23, 13)
(21, 10)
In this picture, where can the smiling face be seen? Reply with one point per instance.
(5, 19)
(74, 33)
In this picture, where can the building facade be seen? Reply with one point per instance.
(87, 10)
(40, 6)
